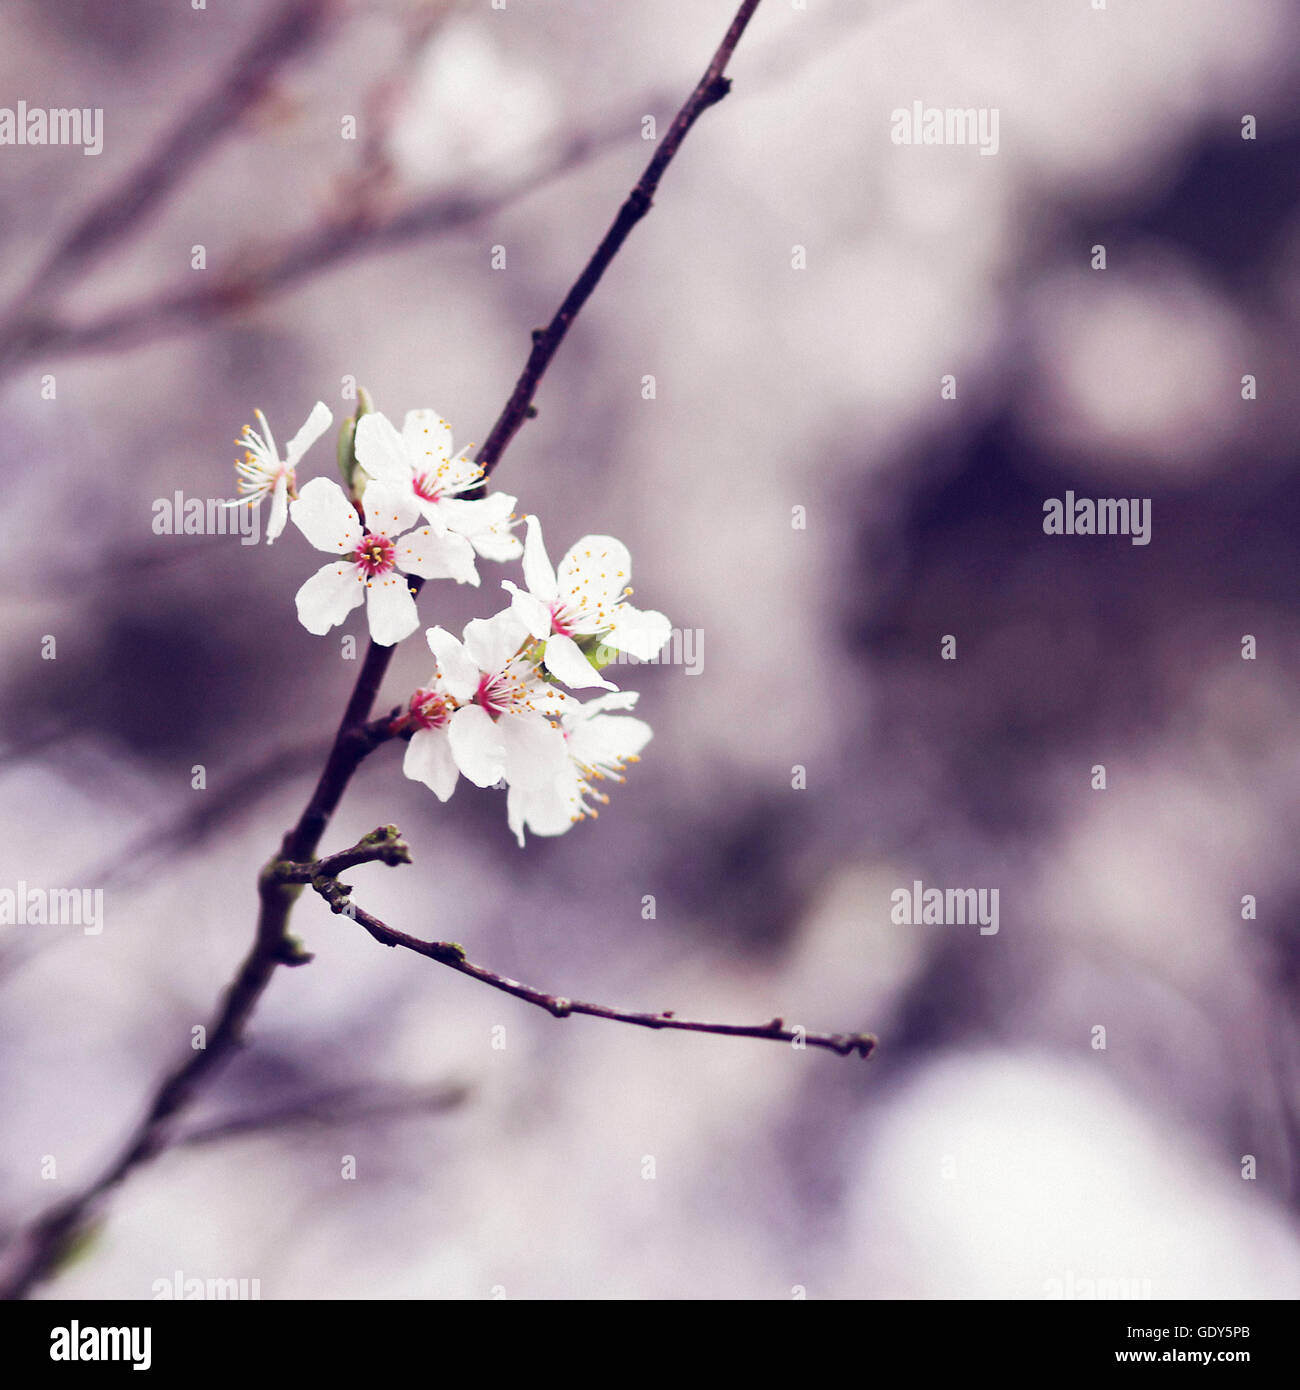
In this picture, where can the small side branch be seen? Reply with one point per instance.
(709, 90)
(386, 846)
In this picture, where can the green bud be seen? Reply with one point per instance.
(353, 479)
(597, 650)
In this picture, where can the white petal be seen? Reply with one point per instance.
(432, 556)
(642, 634)
(461, 473)
(499, 545)
(427, 437)
(566, 663)
(493, 641)
(324, 515)
(607, 739)
(530, 610)
(548, 810)
(391, 609)
(329, 596)
(535, 750)
(428, 759)
(279, 508)
(538, 573)
(471, 518)
(602, 704)
(316, 424)
(515, 813)
(476, 746)
(390, 508)
(267, 437)
(380, 450)
(457, 669)
(593, 576)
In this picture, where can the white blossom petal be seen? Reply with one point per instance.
(279, 508)
(324, 515)
(390, 608)
(529, 609)
(642, 634)
(602, 704)
(329, 596)
(549, 810)
(593, 576)
(538, 573)
(390, 508)
(427, 437)
(607, 740)
(471, 518)
(316, 424)
(380, 451)
(498, 544)
(457, 669)
(476, 746)
(428, 759)
(493, 641)
(434, 556)
(461, 473)
(535, 750)
(566, 663)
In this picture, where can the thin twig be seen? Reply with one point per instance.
(710, 90)
(290, 29)
(280, 267)
(43, 1245)
(386, 846)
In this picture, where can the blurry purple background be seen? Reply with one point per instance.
(988, 1149)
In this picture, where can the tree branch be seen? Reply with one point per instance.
(288, 30)
(386, 846)
(709, 90)
(43, 1245)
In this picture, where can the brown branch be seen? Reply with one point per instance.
(289, 30)
(296, 258)
(42, 1246)
(386, 846)
(709, 90)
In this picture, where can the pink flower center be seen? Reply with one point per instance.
(491, 696)
(375, 555)
(561, 620)
(428, 709)
(426, 486)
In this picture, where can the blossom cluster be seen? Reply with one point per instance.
(499, 708)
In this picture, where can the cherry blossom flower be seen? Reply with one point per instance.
(505, 721)
(428, 753)
(419, 461)
(586, 598)
(262, 473)
(599, 745)
(372, 559)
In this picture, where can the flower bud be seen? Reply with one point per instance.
(353, 479)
